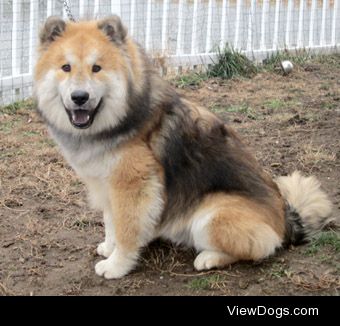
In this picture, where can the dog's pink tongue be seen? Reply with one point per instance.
(80, 117)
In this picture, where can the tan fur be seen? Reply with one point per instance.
(76, 38)
(239, 226)
(133, 183)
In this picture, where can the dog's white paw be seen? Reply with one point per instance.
(210, 259)
(108, 269)
(105, 249)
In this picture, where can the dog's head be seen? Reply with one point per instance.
(82, 73)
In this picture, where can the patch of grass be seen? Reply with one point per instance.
(31, 133)
(231, 63)
(10, 153)
(204, 283)
(278, 271)
(194, 80)
(275, 104)
(47, 141)
(325, 87)
(16, 106)
(299, 57)
(81, 224)
(328, 105)
(218, 108)
(332, 60)
(278, 104)
(314, 155)
(7, 126)
(330, 239)
(242, 108)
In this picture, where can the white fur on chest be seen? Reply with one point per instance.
(99, 193)
(94, 164)
(96, 171)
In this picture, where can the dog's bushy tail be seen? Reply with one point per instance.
(308, 207)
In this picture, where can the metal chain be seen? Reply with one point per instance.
(68, 10)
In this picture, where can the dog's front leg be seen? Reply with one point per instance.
(137, 200)
(106, 248)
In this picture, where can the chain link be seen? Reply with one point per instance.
(68, 10)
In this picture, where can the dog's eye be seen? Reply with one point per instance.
(66, 68)
(96, 68)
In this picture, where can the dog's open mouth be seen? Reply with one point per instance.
(82, 119)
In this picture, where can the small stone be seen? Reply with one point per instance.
(119, 291)
(275, 164)
(243, 284)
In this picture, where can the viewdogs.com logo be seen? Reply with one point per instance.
(277, 312)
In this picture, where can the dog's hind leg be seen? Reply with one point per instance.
(229, 228)
(137, 200)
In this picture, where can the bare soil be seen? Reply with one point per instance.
(48, 235)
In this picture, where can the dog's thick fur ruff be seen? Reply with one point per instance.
(158, 165)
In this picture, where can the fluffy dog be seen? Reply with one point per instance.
(156, 164)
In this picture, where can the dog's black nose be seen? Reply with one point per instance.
(80, 97)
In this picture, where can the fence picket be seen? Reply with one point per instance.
(194, 28)
(299, 41)
(1, 39)
(179, 49)
(276, 24)
(209, 26)
(223, 22)
(116, 7)
(15, 59)
(237, 23)
(323, 22)
(289, 22)
(96, 8)
(334, 20)
(311, 23)
(132, 16)
(81, 8)
(265, 8)
(164, 25)
(32, 35)
(148, 26)
(250, 25)
(49, 8)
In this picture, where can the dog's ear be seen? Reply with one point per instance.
(112, 27)
(53, 28)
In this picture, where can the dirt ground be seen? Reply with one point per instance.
(48, 235)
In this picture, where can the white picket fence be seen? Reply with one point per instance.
(181, 32)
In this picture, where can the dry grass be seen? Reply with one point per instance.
(164, 257)
(4, 291)
(312, 156)
(312, 282)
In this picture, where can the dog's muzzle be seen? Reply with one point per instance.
(81, 118)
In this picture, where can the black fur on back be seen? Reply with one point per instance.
(199, 158)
